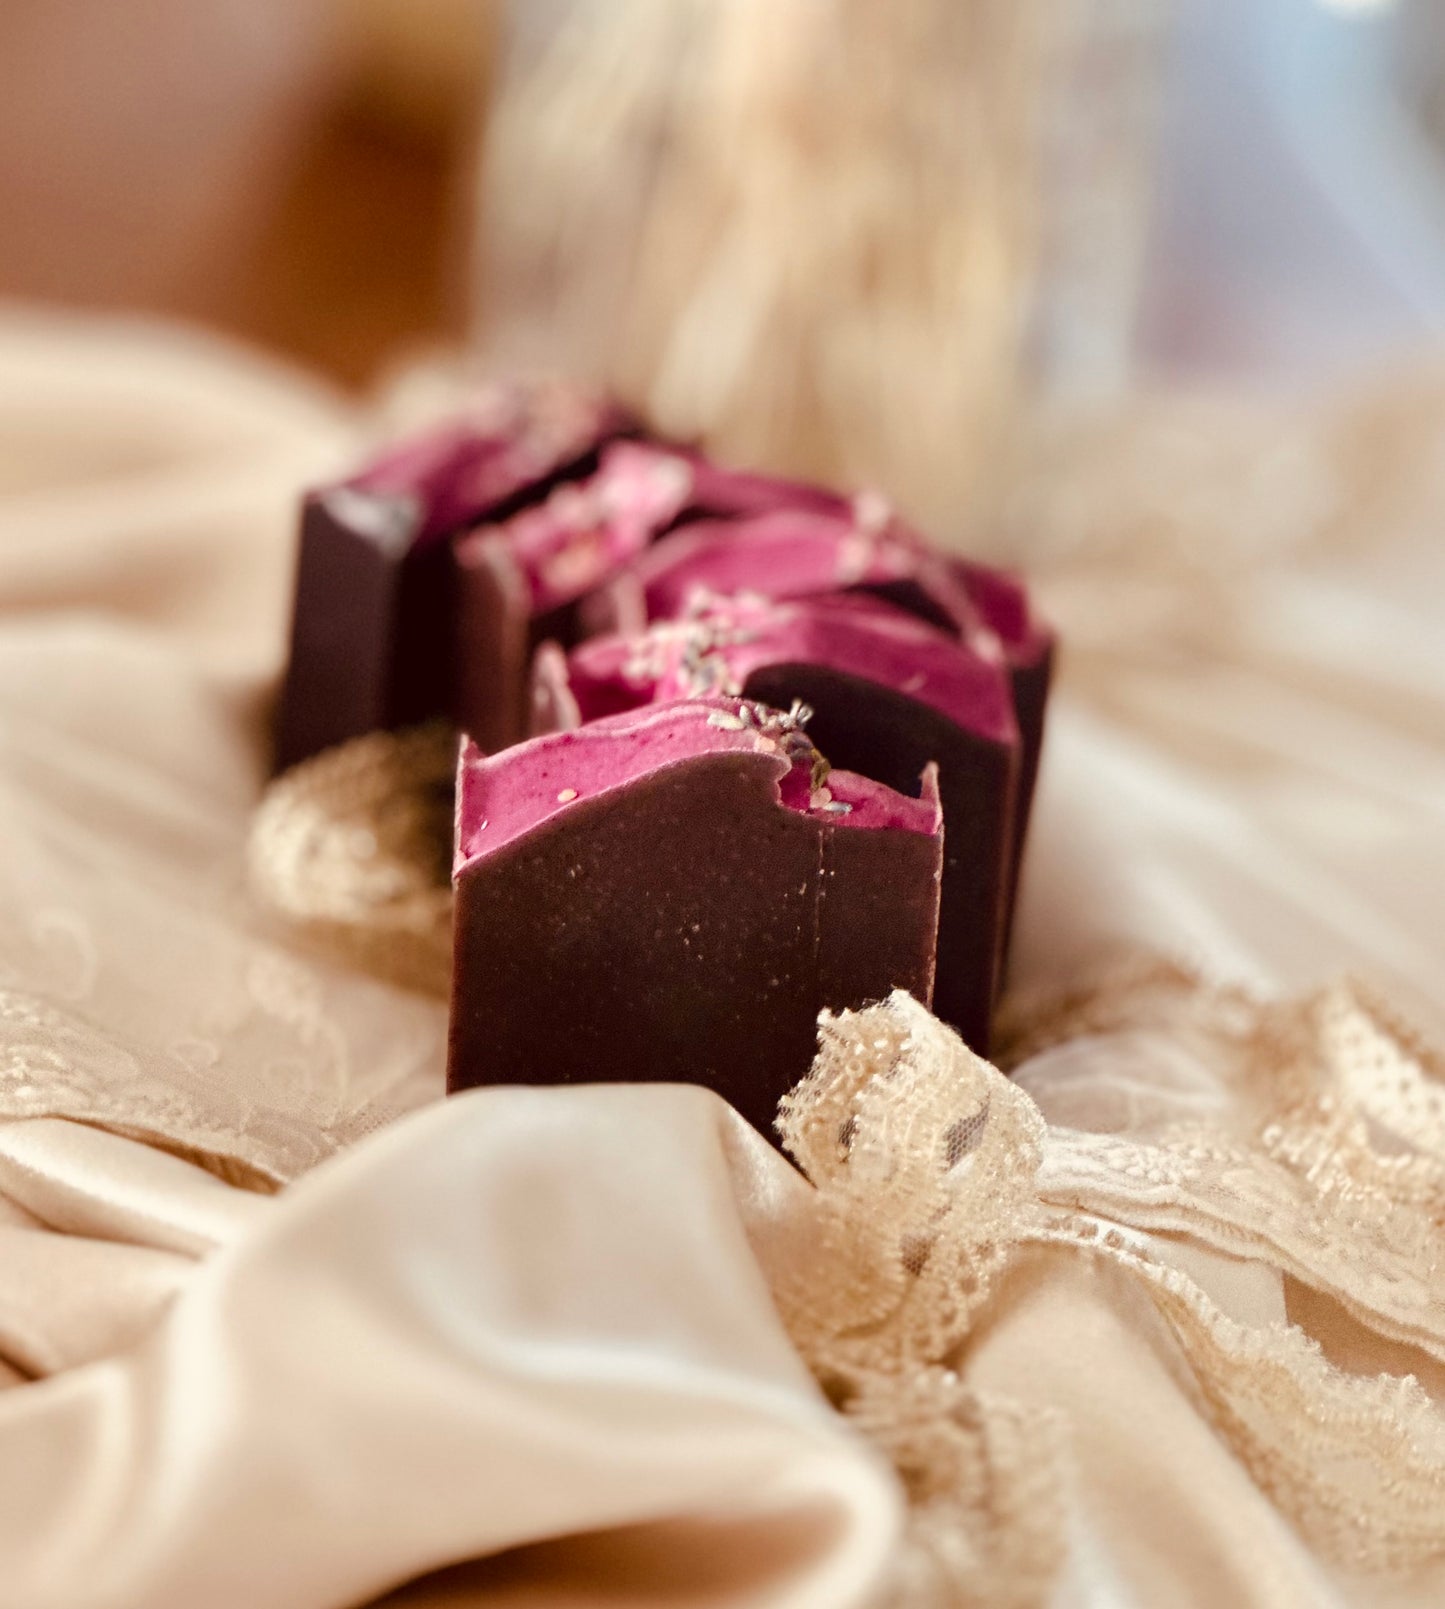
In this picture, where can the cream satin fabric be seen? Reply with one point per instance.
(561, 1346)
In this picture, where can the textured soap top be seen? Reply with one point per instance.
(503, 796)
(1002, 601)
(787, 552)
(511, 436)
(583, 531)
(795, 553)
(724, 640)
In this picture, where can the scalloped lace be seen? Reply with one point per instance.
(935, 1172)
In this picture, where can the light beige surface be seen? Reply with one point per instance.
(587, 1324)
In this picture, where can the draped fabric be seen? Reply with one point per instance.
(1157, 1318)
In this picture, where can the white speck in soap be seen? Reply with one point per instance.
(729, 723)
(566, 796)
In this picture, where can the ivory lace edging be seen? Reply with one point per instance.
(936, 1172)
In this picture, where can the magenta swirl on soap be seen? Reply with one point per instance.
(736, 748)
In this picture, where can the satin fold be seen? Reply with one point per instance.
(419, 1355)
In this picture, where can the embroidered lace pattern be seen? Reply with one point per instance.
(301, 1097)
(925, 1160)
(1324, 1155)
(154, 1004)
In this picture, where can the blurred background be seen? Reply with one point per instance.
(850, 238)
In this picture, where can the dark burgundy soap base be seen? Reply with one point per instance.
(373, 639)
(684, 927)
(888, 695)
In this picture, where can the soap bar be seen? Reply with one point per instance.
(372, 634)
(521, 580)
(674, 893)
(825, 543)
(888, 694)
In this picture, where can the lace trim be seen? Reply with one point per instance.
(296, 1104)
(924, 1158)
(934, 1172)
(352, 850)
(1357, 1464)
(1335, 1169)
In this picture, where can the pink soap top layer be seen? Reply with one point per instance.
(586, 530)
(725, 640)
(501, 797)
(511, 436)
(784, 564)
(787, 553)
(1002, 601)
(722, 493)
(999, 599)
